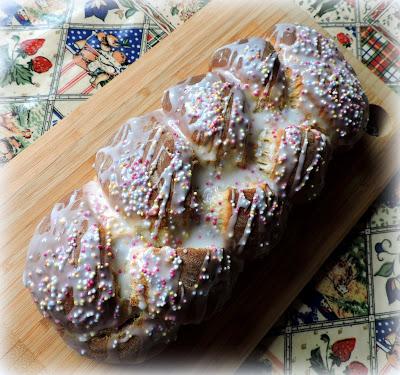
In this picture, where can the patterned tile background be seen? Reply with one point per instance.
(346, 321)
(54, 54)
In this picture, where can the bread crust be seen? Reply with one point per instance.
(298, 161)
(251, 220)
(146, 173)
(186, 194)
(309, 78)
(211, 113)
(74, 277)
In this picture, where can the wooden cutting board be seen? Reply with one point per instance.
(61, 160)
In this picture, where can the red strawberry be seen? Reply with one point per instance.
(31, 46)
(40, 64)
(356, 368)
(344, 39)
(342, 349)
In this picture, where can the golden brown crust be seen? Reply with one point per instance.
(295, 159)
(252, 219)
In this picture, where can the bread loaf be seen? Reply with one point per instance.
(186, 194)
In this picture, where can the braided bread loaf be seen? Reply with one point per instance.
(185, 194)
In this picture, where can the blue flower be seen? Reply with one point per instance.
(381, 248)
(99, 8)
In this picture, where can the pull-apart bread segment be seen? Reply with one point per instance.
(211, 114)
(146, 174)
(111, 296)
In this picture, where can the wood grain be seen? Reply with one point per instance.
(61, 160)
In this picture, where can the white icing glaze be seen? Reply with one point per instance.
(214, 270)
(283, 154)
(109, 264)
(203, 235)
(211, 114)
(253, 65)
(55, 274)
(155, 277)
(209, 181)
(112, 266)
(258, 205)
(132, 170)
(319, 85)
(242, 203)
(264, 214)
(331, 92)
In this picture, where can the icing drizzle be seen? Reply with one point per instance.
(136, 254)
(328, 89)
(73, 272)
(312, 82)
(210, 112)
(255, 212)
(253, 65)
(147, 171)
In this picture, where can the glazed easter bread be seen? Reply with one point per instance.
(186, 194)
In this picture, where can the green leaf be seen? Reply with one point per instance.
(24, 143)
(127, 3)
(125, 43)
(22, 75)
(335, 360)
(15, 38)
(130, 12)
(355, 308)
(21, 112)
(317, 364)
(174, 11)
(386, 270)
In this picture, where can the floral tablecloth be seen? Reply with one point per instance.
(54, 54)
